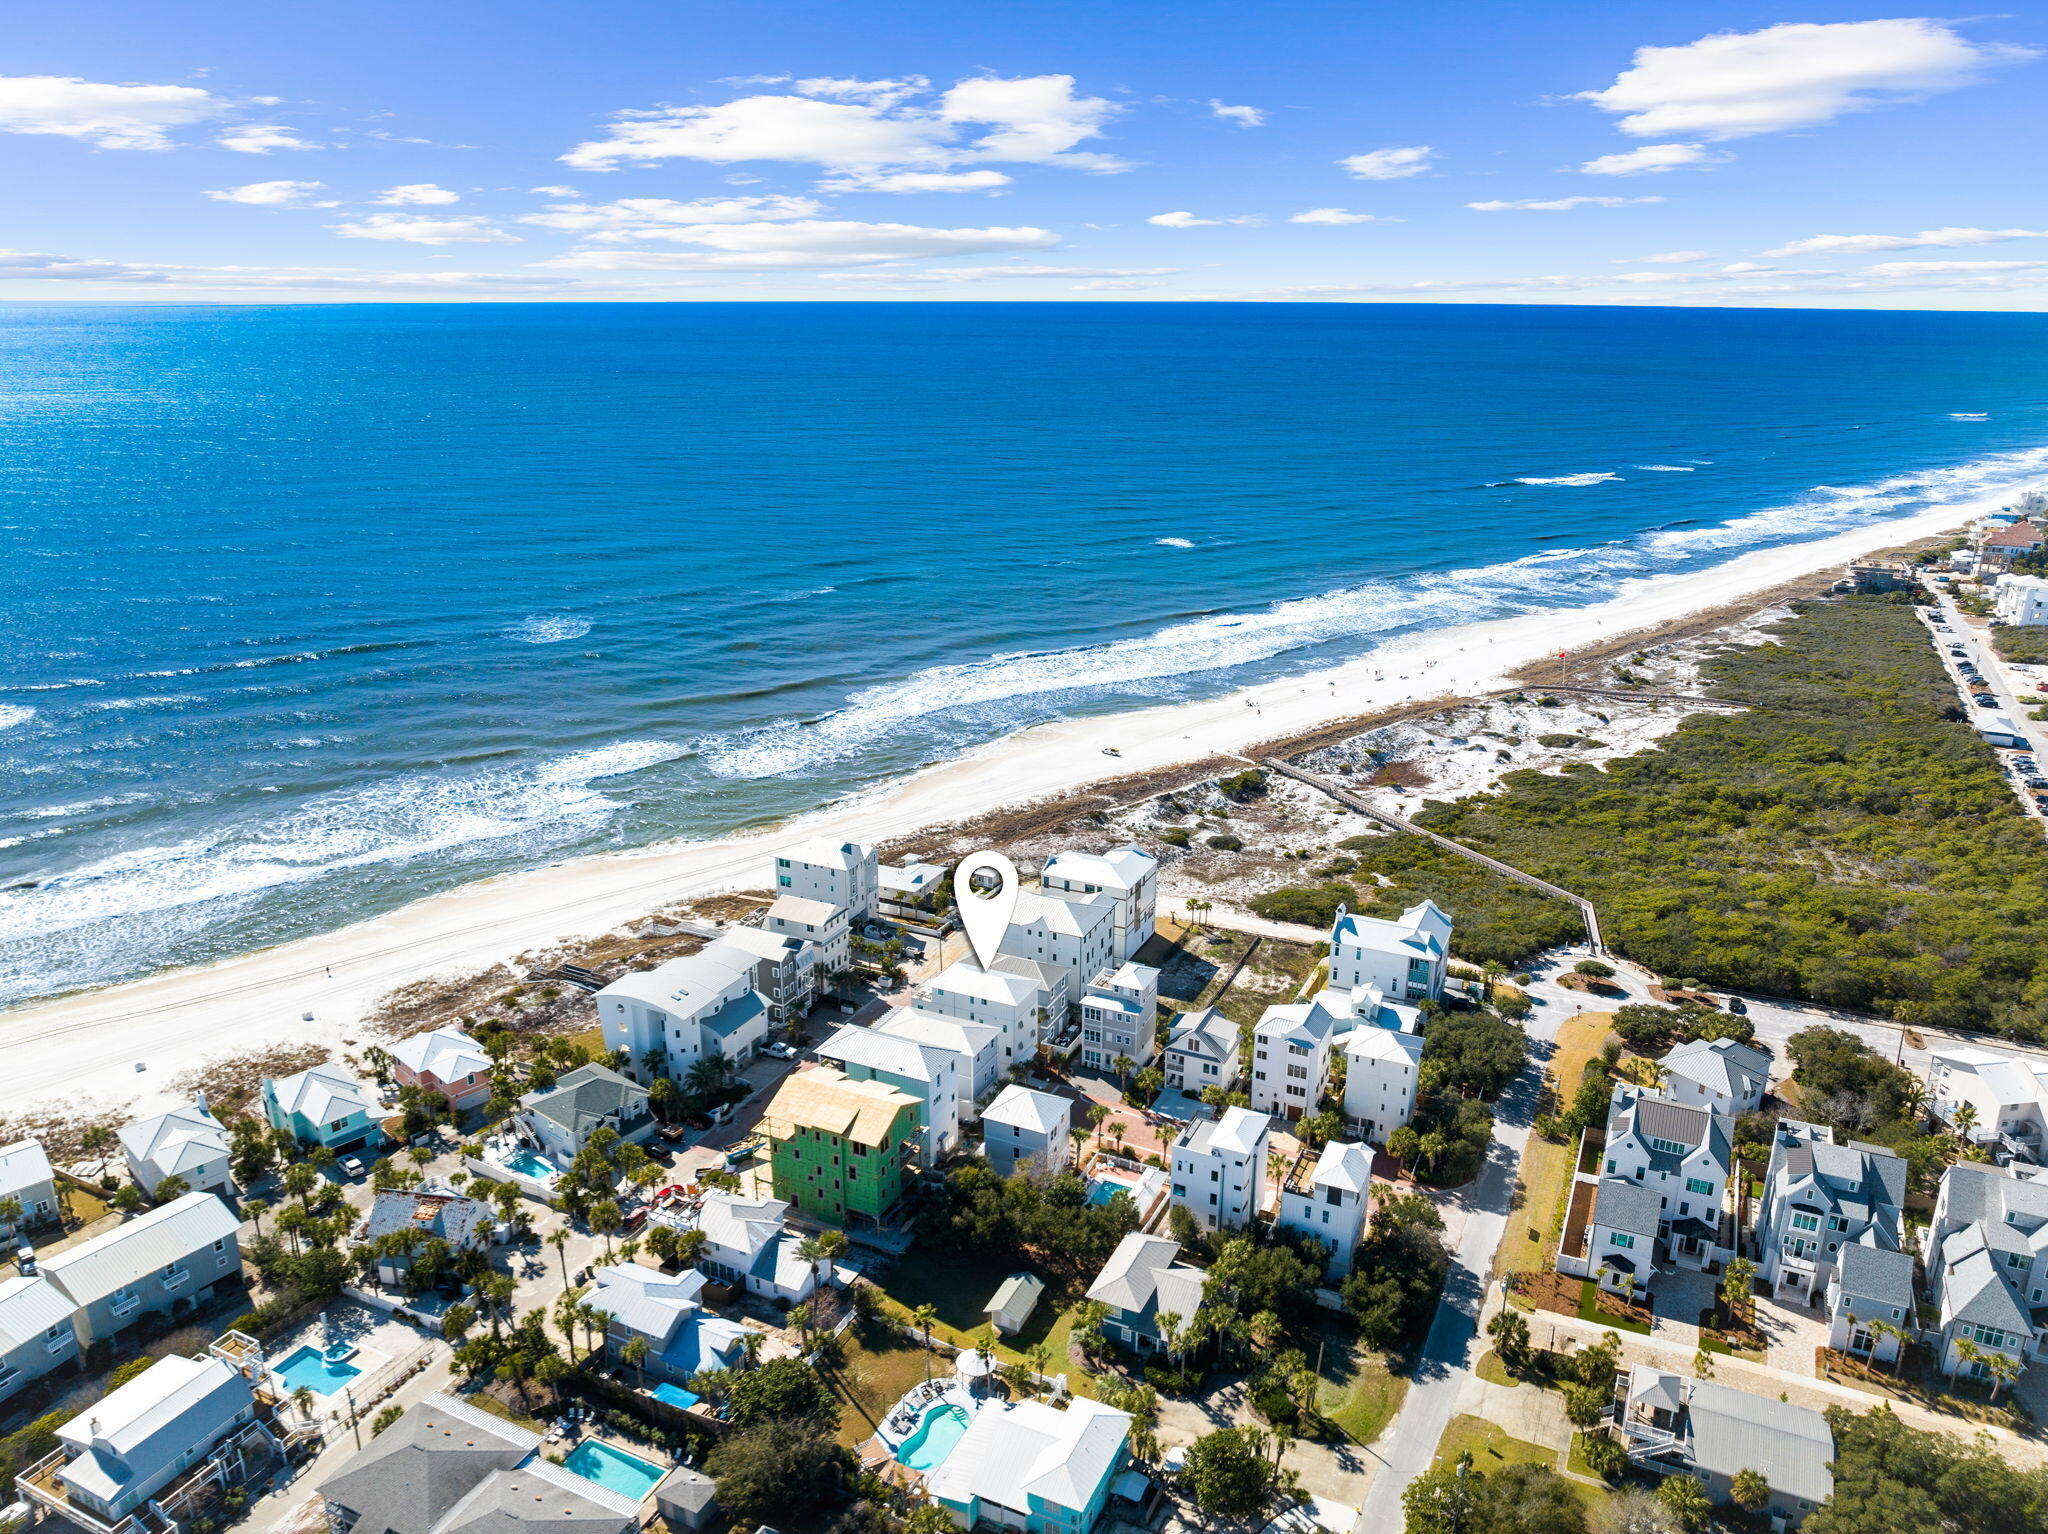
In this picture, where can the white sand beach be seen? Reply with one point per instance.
(124, 1044)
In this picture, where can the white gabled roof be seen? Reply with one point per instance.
(802, 911)
(822, 852)
(1382, 1044)
(140, 1430)
(99, 1267)
(180, 1141)
(22, 1166)
(29, 1307)
(1021, 1108)
(741, 1224)
(323, 1094)
(1069, 918)
(1347, 1167)
(1121, 869)
(966, 977)
(685, 986)
(1421, 930)
(2011, 1080)
(880, 1051)
(1014, 1452)
(447, 1053)
(940, 1030)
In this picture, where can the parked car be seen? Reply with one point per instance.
(778, 1050)
(2037, 782)
(353, 1168)
(1736, 1005)
(1985, 700)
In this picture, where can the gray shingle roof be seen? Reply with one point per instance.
(416, 1471)
(539, 1498)
(586, 1097)
(1877, 1274)
(1622, 1205)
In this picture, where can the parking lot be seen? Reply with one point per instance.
(1990, 689)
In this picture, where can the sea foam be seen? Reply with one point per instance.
(12, 714)
(548, 629)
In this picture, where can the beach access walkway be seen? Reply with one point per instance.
(1363, 806)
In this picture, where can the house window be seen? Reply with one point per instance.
(1620, 1238)
(1699, 1185)
(1668, 1147)
(1806, 1222)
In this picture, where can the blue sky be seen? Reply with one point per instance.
(1832, 155)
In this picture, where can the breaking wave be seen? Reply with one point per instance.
(548, 629)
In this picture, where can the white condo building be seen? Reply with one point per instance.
(1120, 1018)
(1023, 1128)
(1077, 936)
(1326, 1196)
(1219, 1168)
(2007, 1096)
(1404, 958)
(1013, 1004)
(2021, 600)
(684, 1009)
(977, 1045)
(1382, 1064)
(845, 874)
(1129, 875)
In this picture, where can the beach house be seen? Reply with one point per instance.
(1014, 1004)
(1683, 1155)
(1611, 1233)
(1075, 936)
(1818, 1198)
(1672, 1424)
(936, 1077)
(1382, 1064)
(841, 1149)
(827, 930)
(686, 1009)
(1120, 1019)
(1404, 959)
(135, 1441)
(447, 1467)
(1219, 1168)
(1724, 1075)
(1027, 1129)
(788, 970)
(188, 1143)
(1992, 1099)
(976, 1047)
(1201, 1052)
(163, 1262)
(561, 1119)
(27, 1178)
(1986, 1254)
(662, 1310)
(1143, 1280)
(325, 1105)
(403, 1223)
(749, 1245)
(1325, 1198)
(2021, 600)
(1291, 1052)
(1032, 1466)
(36, 1334)
(842, 874)
(1871, 1292)
(1128, 875)
(447, 1062)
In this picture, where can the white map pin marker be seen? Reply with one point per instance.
(985, 889)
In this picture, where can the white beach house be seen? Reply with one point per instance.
(1120, 1018)
(843, 874)
(685, 1009)
(1219, 1168)
(1028, 1129)
(1129, 875)
(1326, 1197)
(1405, 959)
(1015, 1005)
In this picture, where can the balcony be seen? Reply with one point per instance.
(124, 1305)
(175, 1279)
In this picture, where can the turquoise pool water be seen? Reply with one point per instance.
(312, 1368)
(614, 1469)
(530, 1164)
(934, 1437)
(674, 1395)
(1102, 1189)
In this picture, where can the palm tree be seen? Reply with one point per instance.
(1964, 1119)
(635, 1353)
(820, 1250)
(377, 1060)
(1967, 1352)
(1914, 1098)
(99, 1141)
(1168, 1322)
(302, 1398)
(750, 1348)
(559, 1240)
(1750, 1490)
(925, 1317)
(1122, 1065)
(606, 1217)
(2004, 1369)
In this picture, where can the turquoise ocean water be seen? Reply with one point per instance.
(308, 611)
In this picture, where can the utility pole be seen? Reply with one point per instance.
(354, 1421)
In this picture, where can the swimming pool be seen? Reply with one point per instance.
(937, 1432)
(321, 1373)
(1102, 1189)
(614, 1469)
(530, 1164)
(671, 1394)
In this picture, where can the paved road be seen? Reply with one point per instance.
(1451, 1349)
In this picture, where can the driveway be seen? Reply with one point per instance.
(1791, 1332)
(1676, 1300)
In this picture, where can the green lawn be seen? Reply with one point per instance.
(957, 1287)
(876, 1367)
(1490, 1448)
(1358, 1393)
(1493, 1371)
(1576, 1463)
(1591, 1309)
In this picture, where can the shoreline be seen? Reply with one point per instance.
(129, 1039)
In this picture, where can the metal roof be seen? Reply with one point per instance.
(133, 1251)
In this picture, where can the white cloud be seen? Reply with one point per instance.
(916, 181)
(417, 194)
(808, 243)
(1651, 160)
(261, 138)
(1795, 75)
(1186, 220)
(1671, 257)
(867, 129)
(105, 116)
(1035, 119)
(1332, 216)
(1556, 204)
(417, 229)
(16, 264)
(1244, 117)
(1863, 244)
(629, 217)
(267, 194)
(554, 191)
(1389, 164)
(883, 93)
(1946, 268)
(936, 276)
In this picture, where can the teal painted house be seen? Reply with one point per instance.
(1033, 1467)
(324, 1106)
